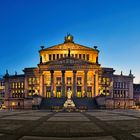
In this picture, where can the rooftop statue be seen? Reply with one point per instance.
(69, 38)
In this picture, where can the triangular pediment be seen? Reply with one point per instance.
(70, 45)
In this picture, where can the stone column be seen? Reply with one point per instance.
(74, 83)
(94, 77)
(26, 88)
(63, 83)
(85, 82)
(52, 82)
(41, 85)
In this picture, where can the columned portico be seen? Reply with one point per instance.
(81, 77)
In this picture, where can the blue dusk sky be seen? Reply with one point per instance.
(112, 25)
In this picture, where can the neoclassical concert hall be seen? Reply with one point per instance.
(68, 66)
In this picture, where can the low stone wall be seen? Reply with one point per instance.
(119, 103)
(18, 103)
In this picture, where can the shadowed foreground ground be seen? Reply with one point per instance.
(91, 125)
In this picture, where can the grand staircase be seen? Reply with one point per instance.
(89, 103)
(49, 103)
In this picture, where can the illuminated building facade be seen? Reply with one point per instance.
(68, 66)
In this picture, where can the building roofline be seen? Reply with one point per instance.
(90, 48)
(15, 76)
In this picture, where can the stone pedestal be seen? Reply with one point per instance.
(69, 104)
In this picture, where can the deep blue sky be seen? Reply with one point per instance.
(113, 25)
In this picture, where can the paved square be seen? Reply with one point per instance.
(115, 118)
(36, 114)
(20, 118)
(136, 135)
(8, 126)
(74, 138)
(1, 134)
(87, 127)
(101, 114)
(69, 114)
(90, 125)
(69, 119)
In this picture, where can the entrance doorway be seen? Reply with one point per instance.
(48, 91)
(89, 91)
(58, 92)
(79, 91)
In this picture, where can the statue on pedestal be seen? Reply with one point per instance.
(69, 104)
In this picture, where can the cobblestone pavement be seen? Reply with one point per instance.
(90, 125)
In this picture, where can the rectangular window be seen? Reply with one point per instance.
(58, 88)
(53, 56)
(13, 85)
(79, 89)
(89, 78)
(18, 85)
(58, 80)
(30, 81)
(114, 84)
(57, 56)
(22, 85)
(69, 80)
(87, 56)
(37, 80)
(89, 89)
(84, 56)
(50, 57)
(75, 55)
(65, 55)
(80, 56)
(48, 88)
(61, 55)
(124, 84)
(79, 80)
(121, 84)
(33, 80)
